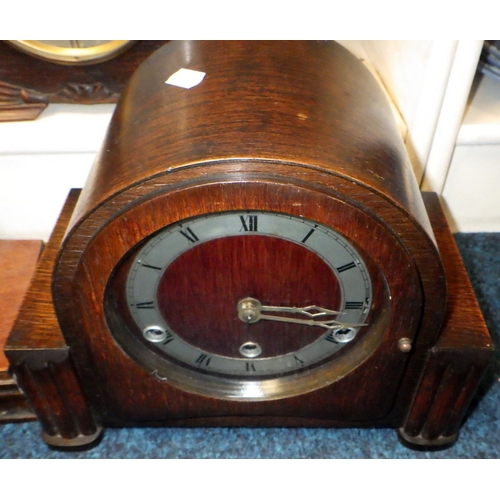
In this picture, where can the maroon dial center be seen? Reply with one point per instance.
(199, 292)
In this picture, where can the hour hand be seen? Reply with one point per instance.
(250, 311)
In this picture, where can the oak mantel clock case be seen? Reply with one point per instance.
(251, 249)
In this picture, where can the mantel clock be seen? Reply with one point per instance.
(251, 249)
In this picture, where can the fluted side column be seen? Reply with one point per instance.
(52, 386)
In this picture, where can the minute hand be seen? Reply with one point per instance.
(311, 311)
(250, 311)
(311, 322)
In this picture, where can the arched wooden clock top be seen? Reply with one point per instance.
(307, 103)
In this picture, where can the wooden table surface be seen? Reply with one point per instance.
(17, 264)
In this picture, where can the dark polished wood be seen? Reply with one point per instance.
(19, 259)
(306, 103)
(299, 128)
(29, 84)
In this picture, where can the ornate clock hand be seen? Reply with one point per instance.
(250, 311)
(301, 310)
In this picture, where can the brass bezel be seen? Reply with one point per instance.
(72, 55)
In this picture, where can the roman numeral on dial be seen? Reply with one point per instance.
(203, 359)
(169, 338)
(330, 338)
(308, 235)
(248, 222)
(354, 305)
(189, 235)
(145, 305)
(346, 267)
(299, 361)
(156, 268)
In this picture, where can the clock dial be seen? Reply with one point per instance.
(248, 294)
(73, 52)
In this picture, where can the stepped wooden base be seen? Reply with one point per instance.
(435, 393)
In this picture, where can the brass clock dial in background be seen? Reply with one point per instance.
(34, 73)
(73, 51)
(251, 248)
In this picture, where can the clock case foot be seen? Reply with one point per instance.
(422, 444)
(79, 442)
(444, 382)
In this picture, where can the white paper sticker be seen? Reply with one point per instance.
(186, 78)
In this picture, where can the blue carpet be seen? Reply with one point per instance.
(479, 436)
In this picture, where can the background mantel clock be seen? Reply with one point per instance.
(34, 73)
(251, 249)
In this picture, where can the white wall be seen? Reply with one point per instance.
(41, 160)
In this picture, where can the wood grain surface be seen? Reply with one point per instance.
(18, 261)
(310, 103)
(37, 322)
